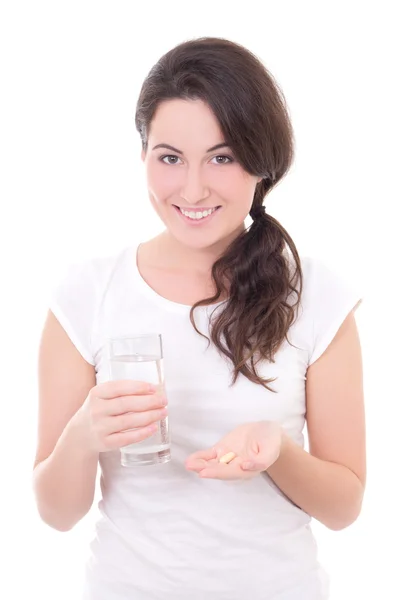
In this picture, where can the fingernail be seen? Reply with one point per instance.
(164, 401)
(152, 388)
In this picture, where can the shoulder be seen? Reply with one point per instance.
(78, 292)
(328, 296)
(93, 273)
(316, 271)
(323, 282)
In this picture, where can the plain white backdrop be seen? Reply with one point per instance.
(73, 186)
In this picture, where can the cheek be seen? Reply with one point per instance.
(234, 186)
(161, 182)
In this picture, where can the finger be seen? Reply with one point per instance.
(196, 465)
(132, 420)
(137, 403)
(223, 472)
(123, 387)
(198, 460)
(208, 454)
(117, 440)
(260, 461)
(254, 466)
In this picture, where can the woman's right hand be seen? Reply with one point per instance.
(113, 408)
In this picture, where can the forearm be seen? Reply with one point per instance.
(64, 483)
(329, 492)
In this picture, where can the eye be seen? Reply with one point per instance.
(168, 156)
(225, 159)
(172, 159)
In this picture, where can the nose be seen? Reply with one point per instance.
(194, 189)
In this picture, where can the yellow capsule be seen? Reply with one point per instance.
(227, 458)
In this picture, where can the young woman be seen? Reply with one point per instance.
(257, 343)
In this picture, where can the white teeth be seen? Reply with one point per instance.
(197, 215)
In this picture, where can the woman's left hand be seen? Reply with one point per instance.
(256, 446)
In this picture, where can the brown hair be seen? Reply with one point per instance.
(255, 272)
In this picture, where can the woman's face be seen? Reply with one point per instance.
(197, 174)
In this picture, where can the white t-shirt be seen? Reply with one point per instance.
(163, 532)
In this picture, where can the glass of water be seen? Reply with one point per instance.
(140, 358)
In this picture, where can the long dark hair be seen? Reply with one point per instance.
(261, 278)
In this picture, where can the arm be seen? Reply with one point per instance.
(65, 467)
(328, 482)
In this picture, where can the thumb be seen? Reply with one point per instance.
(250, 465)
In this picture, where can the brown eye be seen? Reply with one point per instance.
(225, 160)
(169, 156)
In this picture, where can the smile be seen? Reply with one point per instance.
(197, 216)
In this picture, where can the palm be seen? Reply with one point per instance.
(256, 445)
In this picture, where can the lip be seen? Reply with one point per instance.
(197, 222)
(195, 209)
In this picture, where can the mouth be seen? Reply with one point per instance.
(198, 215)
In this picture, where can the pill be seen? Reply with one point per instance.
(227, 458)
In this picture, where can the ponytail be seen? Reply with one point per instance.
(256, 275)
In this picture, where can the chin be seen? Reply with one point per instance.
(202, 241)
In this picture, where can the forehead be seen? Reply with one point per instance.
(185, 121)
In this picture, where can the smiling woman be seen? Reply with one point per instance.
(195, 179)
(195, 118)
(229, 515)
(196, 213)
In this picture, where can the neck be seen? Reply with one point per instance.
(168, 252)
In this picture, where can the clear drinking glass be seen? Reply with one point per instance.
(140, 358)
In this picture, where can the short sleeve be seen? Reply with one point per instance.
(73, 303)
(331, 298)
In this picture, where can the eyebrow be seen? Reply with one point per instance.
(216, 147)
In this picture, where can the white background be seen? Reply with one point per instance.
(72, 186)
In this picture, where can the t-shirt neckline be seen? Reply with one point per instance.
(154, 296)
